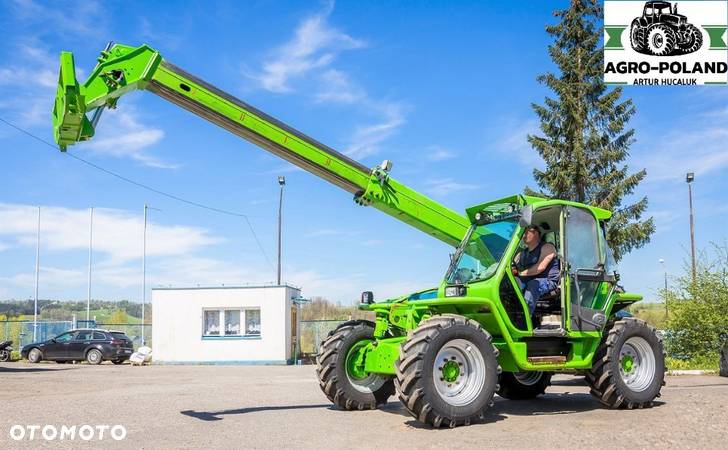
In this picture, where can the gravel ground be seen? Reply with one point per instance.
(282, 407)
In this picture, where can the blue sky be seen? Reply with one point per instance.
(441, 88)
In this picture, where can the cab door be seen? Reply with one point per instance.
(588, 284)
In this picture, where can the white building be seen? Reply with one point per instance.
(224, 325)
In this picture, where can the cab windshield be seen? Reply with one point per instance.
(480, 252)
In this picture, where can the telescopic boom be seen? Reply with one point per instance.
(122, 69)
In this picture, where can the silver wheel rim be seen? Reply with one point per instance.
(637, 364)
(93, 356)
(34, 355)
(528, 378)
(468, 383)
(367, 385)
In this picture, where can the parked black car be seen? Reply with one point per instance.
(92, 345)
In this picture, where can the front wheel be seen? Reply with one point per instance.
(4, 356)
(447, 371)
(629, 365)
(523, 385)
(340, 371)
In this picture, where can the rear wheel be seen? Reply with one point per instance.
(523, 385)
(94, 356)
(35, 356)
(340, 369)
(694, 41)
(117, 361)
(661, 40)
(447, 371)
(629, 365)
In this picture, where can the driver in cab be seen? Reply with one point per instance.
(536, 267)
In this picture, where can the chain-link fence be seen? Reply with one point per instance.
(132, 330)
(313, 332)
(21, 332)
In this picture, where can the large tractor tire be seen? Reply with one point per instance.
(523, 385)
(637, 36)
(695, 40)
(661, 40)
(447, 371)
(629, 365)
(342, 380)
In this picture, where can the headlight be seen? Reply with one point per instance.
(455, 291)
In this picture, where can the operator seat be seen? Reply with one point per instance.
(550, 302)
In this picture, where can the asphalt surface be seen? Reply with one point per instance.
(282, 407)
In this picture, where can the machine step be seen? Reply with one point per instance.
(558, 359)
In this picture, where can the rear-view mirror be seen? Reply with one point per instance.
(526, 216)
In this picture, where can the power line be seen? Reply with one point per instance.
(147, 187)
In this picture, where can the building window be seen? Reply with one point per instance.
(232, 320)
(252, 321)
(212, 323)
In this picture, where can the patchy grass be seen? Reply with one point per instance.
(702, 362)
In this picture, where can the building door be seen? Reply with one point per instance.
(294, 333)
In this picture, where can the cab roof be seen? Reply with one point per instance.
(517, 201)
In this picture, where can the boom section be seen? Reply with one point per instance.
(122, 69)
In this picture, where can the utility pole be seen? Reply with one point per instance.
(37, 274)
(90, 253)
(690, 178)
(281, 182)
(144, 269)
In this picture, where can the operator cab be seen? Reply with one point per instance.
(547, 314)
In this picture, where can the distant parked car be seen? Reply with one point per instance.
(92, 345)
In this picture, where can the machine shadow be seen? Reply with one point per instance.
(5, 369)
(211, 416)
(558, 403)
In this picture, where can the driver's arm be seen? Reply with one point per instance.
(548, 253)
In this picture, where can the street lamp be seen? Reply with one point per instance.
(281, 182)
(690, 177)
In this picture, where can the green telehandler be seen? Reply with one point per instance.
(444, 351)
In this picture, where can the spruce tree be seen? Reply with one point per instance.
(584, 140)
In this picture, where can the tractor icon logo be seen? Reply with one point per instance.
(661, 31)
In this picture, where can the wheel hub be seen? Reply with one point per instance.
(451, 371)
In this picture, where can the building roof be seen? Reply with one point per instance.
(250, 286)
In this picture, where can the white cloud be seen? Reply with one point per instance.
(315, 45)
(445, 186)
(437, 153)
(310, 54)
(511, 139)
(702, 150)
(366, 139)
(125, 137)
(117, 233)
(338, 88)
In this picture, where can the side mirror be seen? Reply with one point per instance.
(526, 216)
(367, 298)
(53, 340)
